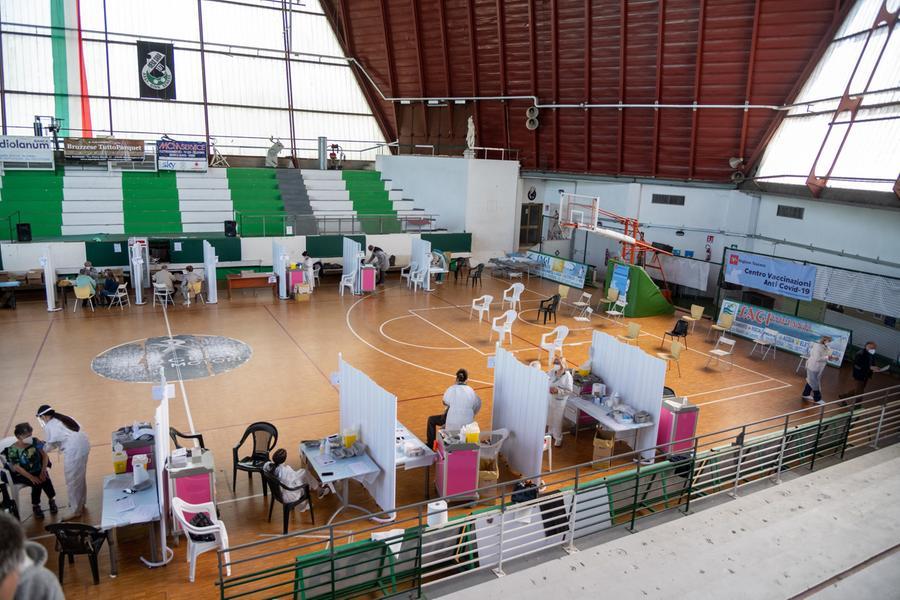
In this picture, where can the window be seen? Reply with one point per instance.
(668, 199)
(791, 212)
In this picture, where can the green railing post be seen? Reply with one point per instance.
(221, 578)
(637, 482)
(847, 430)
(419, 567)
(812, 461)
(331, 557)
(573, 513)
(784, 437)
(740, 460)
(690, 490)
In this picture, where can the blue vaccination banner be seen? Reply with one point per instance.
(769, 274)
(620, 278)
(564, 271)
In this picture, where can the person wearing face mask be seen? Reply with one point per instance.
(561, 387)
(815, 364)
(23, 575)
(462, 405)
(65, 434)
(29, 464)
(863, 369)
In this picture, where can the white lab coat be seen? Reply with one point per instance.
(562, 381)
(815, 364)
(75, 448)
(463, 404)
(292, 478)
(308, 272)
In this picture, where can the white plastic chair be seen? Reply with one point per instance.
(347, 282)
(317, 274)
(618, 309)
(16, 488)
(162, 294)
(417, 279)
(217, 529)
(512, 296)
(767, 340)
(483, 306)
(724, 347)
(121, 297)
(582, 304)
(585, 317)
(556, 345)
(406, 272)
(503, 325)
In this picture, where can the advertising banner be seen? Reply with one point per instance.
(174, 155)
(560, 270)
(103, 149)
(794, 333)
(773, 275)
(620, 278)
(26, 149)
(156, 66)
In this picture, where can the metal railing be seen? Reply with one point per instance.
(10, 224)
(340, 560)
(281, 224)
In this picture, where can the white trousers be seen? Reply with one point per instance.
(555, 411)
(75, 458)
(814, 379)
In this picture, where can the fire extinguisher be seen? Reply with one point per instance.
(708, 253)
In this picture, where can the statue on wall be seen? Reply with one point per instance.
(470, 134)
(272, 154)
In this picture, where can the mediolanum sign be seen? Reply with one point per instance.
(26, 149)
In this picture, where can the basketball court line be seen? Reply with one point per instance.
(439, 328)
(37, 355)
(732, 387)
(184, 395)
(780, 387)
(396, 341)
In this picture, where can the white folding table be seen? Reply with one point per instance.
(121, 510)
(332, 470)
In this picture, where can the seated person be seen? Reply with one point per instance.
(110, 287)
(29, 462)
(191, 283)
(165, 277)
(85, 279)
(91, 271)
(292, 478)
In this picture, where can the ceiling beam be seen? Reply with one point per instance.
(532, 44)
(623, 57)
(554, 74)
(748, 89)
(473, 59)
(445, 54)
(660, 43)
(698, 81)
(501, 39)
(420, 68)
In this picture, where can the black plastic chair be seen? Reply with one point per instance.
(549, 307)
(177, 435)
(78, 538)
(679, 331)
(265, 436)
(475, 275)
(278, 488)
(461, 263)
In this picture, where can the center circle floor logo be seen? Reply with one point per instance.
(188, 356)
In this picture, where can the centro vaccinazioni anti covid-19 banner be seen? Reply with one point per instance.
(769, 274)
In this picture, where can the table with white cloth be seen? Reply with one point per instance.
(332, 470)
(121, 510)
(402, 461)
(514, 264)
(603, 416)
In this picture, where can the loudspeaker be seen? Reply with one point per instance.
(230, 228)
(531, 124)
(23, 232)
(662, 246)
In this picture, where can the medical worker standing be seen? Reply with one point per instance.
(561, 387)
(64, 434)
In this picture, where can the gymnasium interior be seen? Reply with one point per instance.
(444, 298)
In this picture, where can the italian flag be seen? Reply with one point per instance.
(69, 76)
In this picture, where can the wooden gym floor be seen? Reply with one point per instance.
(409, 343)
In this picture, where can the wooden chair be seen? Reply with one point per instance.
(74, 539)
(723, 326)
(265, 436)
(673, 355)
(278, 489)
(612, 294)
(634, 332)
(696, 315)
(549, 307)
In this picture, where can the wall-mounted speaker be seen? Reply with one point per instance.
(531, 124)
(23, 232)
(230, 228)
(532, 112)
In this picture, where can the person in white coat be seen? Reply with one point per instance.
(815, 365)
(308, 265)
(64, 434)
(561, 387)
(462, 405)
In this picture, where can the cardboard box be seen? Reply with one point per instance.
(35, 276)
(604, 445)
(488, 472)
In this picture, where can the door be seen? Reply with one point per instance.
(530, 226)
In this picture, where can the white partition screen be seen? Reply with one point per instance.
(210, 260)
(520, 405)
(373, 410)
(421, 257)
(636, 376)
(352, 250)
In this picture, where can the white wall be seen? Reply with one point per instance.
(261, 248)
(398, 244)
(491, 200)
(437, 185)
(65, 255)
(734, 217)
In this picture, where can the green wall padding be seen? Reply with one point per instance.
(227, 249)
(103, 254)
(37, 198)
(257, 202)
(644, 297)
(449, 242)
(330, 246)
(370, 198)
(150, 203)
